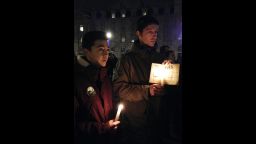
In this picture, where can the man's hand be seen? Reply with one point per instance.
(167, 62)
(113, 124)
(156, 89)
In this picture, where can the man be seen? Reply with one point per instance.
(94, 122)
(142, 100)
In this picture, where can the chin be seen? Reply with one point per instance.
(151, 45)
(103, 65)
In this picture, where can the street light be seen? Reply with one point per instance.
(79, 39)
(109, 35)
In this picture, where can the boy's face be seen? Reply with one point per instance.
(98, 54)
(149, 35)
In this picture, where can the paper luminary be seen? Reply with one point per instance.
(164, 74)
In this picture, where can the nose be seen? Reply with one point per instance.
(155, 34)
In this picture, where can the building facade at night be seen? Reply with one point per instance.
(119, 18)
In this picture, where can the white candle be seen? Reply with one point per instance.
(163, 74)
(120, 107)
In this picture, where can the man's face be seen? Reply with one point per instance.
(99, 53)
(149, 35)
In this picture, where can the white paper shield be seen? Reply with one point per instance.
(164, 74)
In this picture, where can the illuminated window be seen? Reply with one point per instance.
(123, 39)
(81, 28)
(123, 15)
(113, 15)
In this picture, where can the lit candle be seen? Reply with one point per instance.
(163, 75)
(120, 107)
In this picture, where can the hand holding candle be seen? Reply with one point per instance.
(120, 107)
(113, 124)
(156, 89)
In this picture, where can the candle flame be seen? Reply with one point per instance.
(120, 106)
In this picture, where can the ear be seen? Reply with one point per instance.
(138, 33)
(86, 52)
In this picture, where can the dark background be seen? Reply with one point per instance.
(218, 70)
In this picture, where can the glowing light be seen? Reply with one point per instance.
(164, 74)
(123, 39)
(81, 28)
(113, 15)
(109, 35)
(120, 107)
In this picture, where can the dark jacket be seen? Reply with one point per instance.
(111, 64)
(131, 86)
(93, 103)
(134, 72)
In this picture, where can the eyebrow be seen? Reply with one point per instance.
(152, 29)
(101, 45)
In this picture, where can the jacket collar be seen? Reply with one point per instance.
(94, 71)
(82, 61)
(143, 49)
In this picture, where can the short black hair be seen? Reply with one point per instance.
(144, 21)
(90, 37)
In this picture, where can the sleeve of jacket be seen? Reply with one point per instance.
(123, 85)
(83, 124)
(93, 128)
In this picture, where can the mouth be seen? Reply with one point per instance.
(153, 41)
